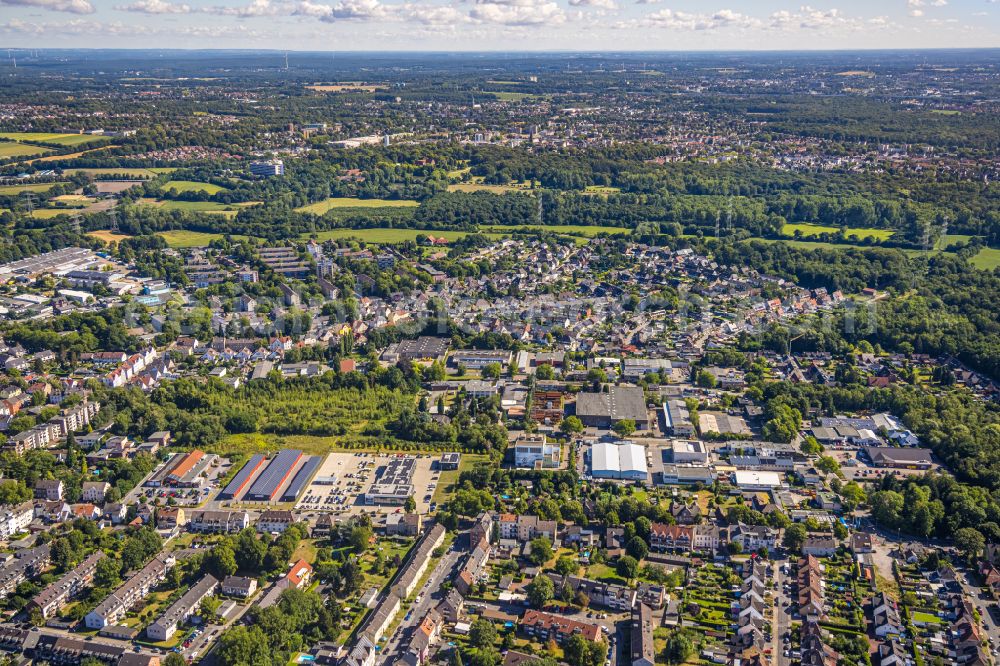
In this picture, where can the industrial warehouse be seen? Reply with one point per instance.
(619, 460)
(283, 478)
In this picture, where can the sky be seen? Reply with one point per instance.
(501, 25)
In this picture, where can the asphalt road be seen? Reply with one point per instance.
(429, 596)
(782, 620)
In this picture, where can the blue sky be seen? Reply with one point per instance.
(506, 25)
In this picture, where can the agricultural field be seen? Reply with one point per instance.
(49, 213)
(182, 186)
(10, 149)
(9, 190)
(325, 206)
(54, 138)
(809, 230)
(108, 236)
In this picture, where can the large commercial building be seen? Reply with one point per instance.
(268, 168)
(301, 479)
(908, 458)
(619, 403)
(242, 479)
(277, 472)
(393, 483)
(755, 480)
(624, 460)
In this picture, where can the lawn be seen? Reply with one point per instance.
(604, 573)
(926, 618)
(809, 230)
(325, 206)
(383, 236)
(9, 149)
(192, 186)
(9, 190)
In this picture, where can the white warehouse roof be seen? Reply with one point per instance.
(614, 460)
(757, 479)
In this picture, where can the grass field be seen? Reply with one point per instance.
(229, 210)
(483, 187)
(55, 138)
(807, 230)
(8, 149)
(509, 96)
(601, 189)
(383, 236)
(180, 238)
(589, 231)
(325, 206)
(108, 236)
(192, 186)
(49, 213)
(130, 174)
(988, 259)
(8, 190)
(446, 484)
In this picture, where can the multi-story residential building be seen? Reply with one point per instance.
(542, 626)
(54, 597)
(165, 626)
(274, 520)
(117, 604)
(526, 528)
(218, 522)
(25, 565)
(15, 519)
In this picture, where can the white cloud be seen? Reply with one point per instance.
(670, 19)
(597, 4)
(155, 7)
(254, 9)
(518, 13)
(68, 6)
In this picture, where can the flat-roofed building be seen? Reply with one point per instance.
(619, 403)
(677, 419)
(689, 451)
(532, 451)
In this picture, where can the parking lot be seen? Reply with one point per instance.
(183, 496)
(339, 485)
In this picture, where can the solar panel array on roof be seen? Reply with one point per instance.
(300, 479)
(266, 486)
(242, 478)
